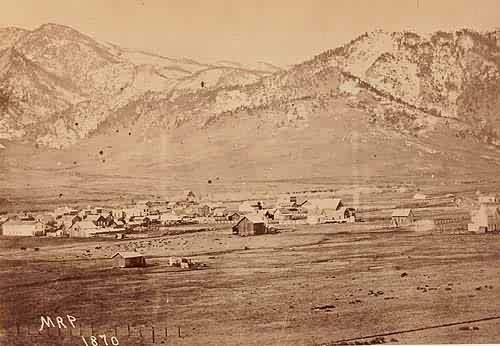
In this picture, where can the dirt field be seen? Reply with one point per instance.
(305, 286)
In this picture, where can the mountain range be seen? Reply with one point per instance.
(74, 110)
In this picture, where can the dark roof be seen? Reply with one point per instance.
(128, 254)
(252, 218)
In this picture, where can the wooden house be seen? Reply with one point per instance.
(128, 259)
(342, 214)
(328, 210)
(250, 225)
(83, 229)
(233, 216)
(105, 221)
(402, 217)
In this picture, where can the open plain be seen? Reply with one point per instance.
(306, 285)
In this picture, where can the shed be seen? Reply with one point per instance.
(250, 225)
(402, 217)
(128, 259)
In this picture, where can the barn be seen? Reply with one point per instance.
(250, 225)
(402, 217)
(128, 259)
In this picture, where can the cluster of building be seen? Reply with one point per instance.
(145, 215)
(95, 221)
(247, 218)
(483, 219)
(259, 219)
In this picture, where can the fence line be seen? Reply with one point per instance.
(154, 333)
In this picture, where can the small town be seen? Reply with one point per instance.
(147, 215)
(172, 244)
(247, 218)
(249, 173)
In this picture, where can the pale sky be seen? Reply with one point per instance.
(282, 32)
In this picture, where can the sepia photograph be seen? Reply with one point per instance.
(249, 172)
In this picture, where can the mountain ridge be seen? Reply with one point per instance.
(385, 101)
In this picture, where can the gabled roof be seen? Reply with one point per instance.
(323, 203)
(252, 218)
(128, 254)
(401, 213)
(341, 210)
(269, 211)
(300, 202)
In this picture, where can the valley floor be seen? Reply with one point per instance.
(305, 286)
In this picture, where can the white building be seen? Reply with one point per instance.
(83, 229)
(486, 219)
(23, 228)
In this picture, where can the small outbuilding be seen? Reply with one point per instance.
(402, 217)
(128, 259)
(250, 225)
